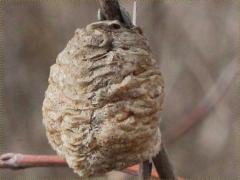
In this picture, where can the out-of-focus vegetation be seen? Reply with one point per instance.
(194, 41)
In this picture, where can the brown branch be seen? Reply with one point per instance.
(145, 169)
(111, 10)
(21, 161)
(163, 166)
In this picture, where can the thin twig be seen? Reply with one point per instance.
(16, 161)
(145, 170)
(163, 165)
(21, 161)
(134, 19)
(111, 10)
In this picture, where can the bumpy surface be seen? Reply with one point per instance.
(101, 108)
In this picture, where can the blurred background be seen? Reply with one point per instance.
(195, 43)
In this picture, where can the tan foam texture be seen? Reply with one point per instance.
(101, 108)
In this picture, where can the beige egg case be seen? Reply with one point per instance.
(101, 108)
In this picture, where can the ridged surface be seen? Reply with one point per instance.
(101, 108)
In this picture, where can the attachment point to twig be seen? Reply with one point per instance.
(111, 10)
